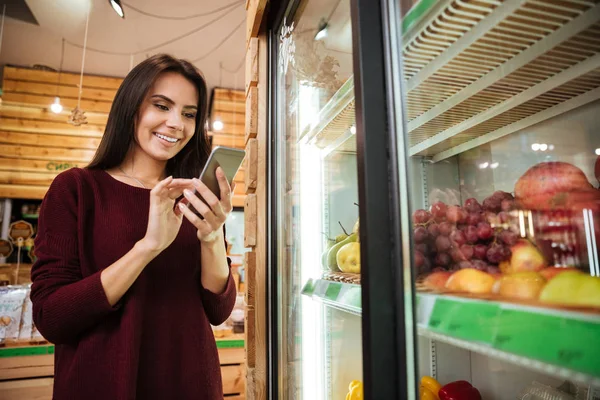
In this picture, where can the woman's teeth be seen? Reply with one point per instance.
(168, 139)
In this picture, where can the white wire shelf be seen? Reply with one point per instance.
(334, 127)
(479, 70)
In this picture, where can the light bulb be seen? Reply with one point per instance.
(56, 107)
(353, 130)
(543, 147)
(322, 32)
(494, 165)
(217, 125)
(484, 165)
(598, 151)
(116, 5)
(535, 146)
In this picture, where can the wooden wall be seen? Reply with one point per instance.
(37, 144)
(255, 209)
(229, 107)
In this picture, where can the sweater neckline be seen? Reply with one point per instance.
(119, 183)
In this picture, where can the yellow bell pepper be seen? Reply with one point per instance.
(355, 391)
(431, 385)
(426, 394)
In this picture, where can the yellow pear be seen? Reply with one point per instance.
(572, 288)
(348, 258)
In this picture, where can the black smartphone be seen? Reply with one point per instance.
(229, 159)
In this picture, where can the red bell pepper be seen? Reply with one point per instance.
(459, 390)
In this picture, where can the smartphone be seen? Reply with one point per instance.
(229, 160)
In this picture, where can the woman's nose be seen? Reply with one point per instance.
(175, 122)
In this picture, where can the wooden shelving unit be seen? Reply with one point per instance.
(26, 370)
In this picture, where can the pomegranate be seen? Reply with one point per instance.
(574, 200)
(546, 180)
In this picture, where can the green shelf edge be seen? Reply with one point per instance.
(30, 216)
(6, 352)
(416, 13)
(230, 344)
(26, 351)
(525, 331)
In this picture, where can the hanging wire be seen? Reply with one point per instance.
(87, 20)
(237, 2)
(237, 69)
(116, 53)
(62, 57)
(2, 26)
(220, 43)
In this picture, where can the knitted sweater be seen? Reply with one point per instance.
(156, 343)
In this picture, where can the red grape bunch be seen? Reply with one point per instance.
(472, 236)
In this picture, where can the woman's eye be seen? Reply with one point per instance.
(190, 115)
(161, 107)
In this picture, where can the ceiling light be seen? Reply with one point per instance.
(484, 165)
(598, 151)
(535, 146)
(353, 130)
(543, 147)
(217, 125)
(322, 32)
(56, 107)
(116, 5)
(494, 165)
(551, 147)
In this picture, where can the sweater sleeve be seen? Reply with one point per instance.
(65, 303)
(218, 307)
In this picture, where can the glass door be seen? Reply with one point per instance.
(317, 200)
(334, 292)
(497, 119)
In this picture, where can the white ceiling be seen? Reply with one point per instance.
(26, 44)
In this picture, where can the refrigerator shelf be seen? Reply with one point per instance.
(342, 296)
(560, 343)
(557, 342)
(495, 68)
(334, 125)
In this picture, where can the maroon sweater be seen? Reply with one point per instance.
(156, 343)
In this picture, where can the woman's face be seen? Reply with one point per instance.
(167, 117)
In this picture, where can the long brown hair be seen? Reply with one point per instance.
(119, 134)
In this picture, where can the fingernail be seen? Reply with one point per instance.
(181, 206)
(187, 193)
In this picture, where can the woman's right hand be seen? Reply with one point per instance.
(163, 221)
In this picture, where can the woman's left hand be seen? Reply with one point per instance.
(213, 210)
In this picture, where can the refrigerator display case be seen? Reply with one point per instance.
(436, 211)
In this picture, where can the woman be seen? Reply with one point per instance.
(128, 281)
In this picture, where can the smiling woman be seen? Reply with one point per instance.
(126, 284)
